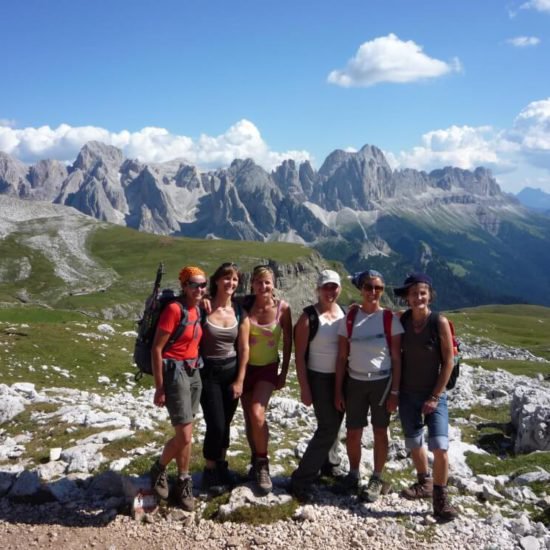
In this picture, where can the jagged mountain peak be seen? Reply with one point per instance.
(95, 152)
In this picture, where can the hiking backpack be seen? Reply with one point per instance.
(436, 341)
(313, 317)
(147, 325)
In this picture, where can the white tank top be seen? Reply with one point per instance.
(323, 349)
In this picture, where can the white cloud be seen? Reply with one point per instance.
(537, 5)
(461, 146)
(523, 41)
(531, 131)
(389, 59)
(242, 140)
(516, 155)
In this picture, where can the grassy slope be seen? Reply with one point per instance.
(519, 326)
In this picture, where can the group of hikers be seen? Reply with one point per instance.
(348, 363)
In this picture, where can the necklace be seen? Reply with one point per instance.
(420, 324)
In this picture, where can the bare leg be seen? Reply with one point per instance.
(353, 446)
(440, 467)
(179, 447)
(380, 449)
(420, 459)
(255, 405)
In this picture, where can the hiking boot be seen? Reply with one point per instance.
(372, 490)
(159, 480)
(211, 482)
(443, 510)
(261, 470)
(226, 476)
(423, 488)
(184, 494)
(347, 484)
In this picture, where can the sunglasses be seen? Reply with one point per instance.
(231, 265)
(373, 288)
(194, 285)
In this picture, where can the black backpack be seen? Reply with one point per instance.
(313, 318)
(147, 325)
(433, 323)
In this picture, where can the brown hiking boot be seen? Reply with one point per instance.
(184, 494)
(261, 470)
(159, 480)
(443, 510)
(423, 488)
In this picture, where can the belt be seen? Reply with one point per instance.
(379, 373)
(184, 364)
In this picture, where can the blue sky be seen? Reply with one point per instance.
(432, 83)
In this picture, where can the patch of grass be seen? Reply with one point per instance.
(32, 314)
(141, 438)
(57, 434)
(543, 517)
(513, 465)
(213, 506)
(41, 279)
(262, 515)
(489, 427)
(525, 368)
(71, 354)
(523, 326)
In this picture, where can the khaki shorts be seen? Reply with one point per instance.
(362, 396)
(182, 388)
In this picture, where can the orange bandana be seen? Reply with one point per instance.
(190, 271)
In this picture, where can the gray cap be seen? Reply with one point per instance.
(328, 276)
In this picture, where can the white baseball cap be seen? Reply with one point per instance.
(328, 276)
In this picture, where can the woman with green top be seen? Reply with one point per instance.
(270, 319)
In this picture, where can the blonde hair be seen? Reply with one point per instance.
(261, 271)
(190, 271)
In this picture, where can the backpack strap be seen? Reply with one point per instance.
(313, 325)
(387, 319)
(405, 316)
(238, 312)
(183, 323)
(203, 316)
(313, 318)
(350, 319)
(179, 329)
(434, 328)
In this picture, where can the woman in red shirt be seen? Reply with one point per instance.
(178, 383)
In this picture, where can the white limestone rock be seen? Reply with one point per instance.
(530, 412)
(83, 458)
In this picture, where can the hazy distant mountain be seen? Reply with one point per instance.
(534, 198)
(479, 243)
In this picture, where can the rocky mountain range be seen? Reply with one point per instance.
(456, 224)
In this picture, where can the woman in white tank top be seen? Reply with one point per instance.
(315, 366)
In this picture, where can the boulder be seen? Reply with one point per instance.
(11, 404)
(27, 488)
(83, 458)
(530, 412)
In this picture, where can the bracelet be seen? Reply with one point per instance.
(394, 392)
(434, 397)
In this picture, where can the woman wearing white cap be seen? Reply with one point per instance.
(316, 348)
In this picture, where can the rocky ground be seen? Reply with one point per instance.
(81, 497)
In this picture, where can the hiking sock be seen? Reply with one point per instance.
(376, 475)
(354, 472)
(182, 476)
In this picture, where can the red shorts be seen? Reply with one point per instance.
(263, 373)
